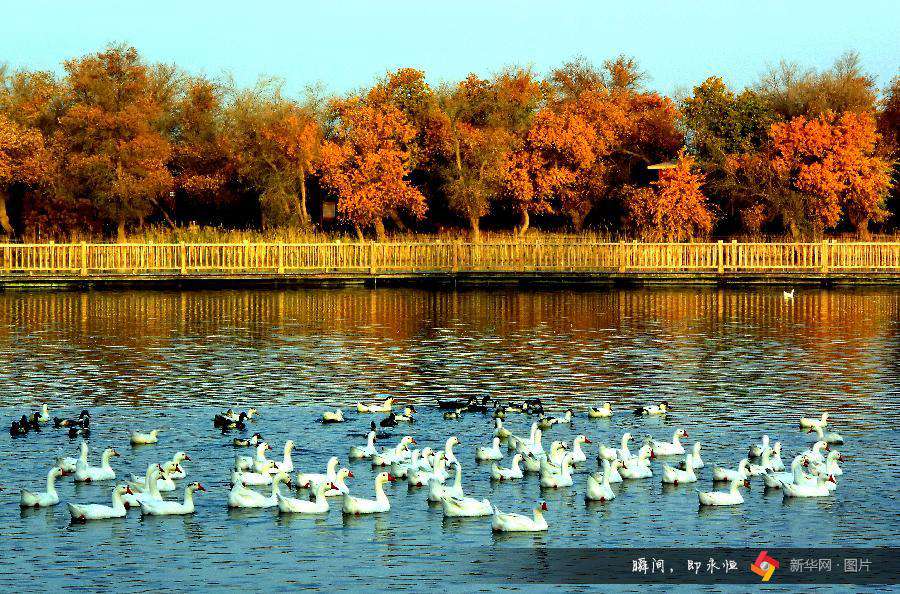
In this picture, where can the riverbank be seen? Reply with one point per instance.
(448, 263)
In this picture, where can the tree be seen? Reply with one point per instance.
(275, 143)
(674, 207)
(23, 161)
(366, 162)
(483, 121)
(200, 163)
(889, 128)
(831, 161)
(111, 148)
(790, 91)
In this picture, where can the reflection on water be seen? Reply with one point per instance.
(735, 364)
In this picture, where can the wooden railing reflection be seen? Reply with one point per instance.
(83, 259)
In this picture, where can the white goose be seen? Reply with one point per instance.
(338, 487)
(601, 490)
(673, 448)
(500, 431)
(437, 490)
(335, 416)
(255, 462)
(449, 456)
(287, 463)
(807, 422)
(507, 474)
(155, 507)
(178, 460)
(502, 522)
(292, 505)
(151, 492)
(696, 460)
(366, 452)
(384, 407)
(623, 453)
(42, 498)
(726, 474)
(164, 481)
(85, 473)
(358, 505)
(730, 497)
(547, 422)
(249, 478)
(140, 438)
(94, 511)
(489, 453)
(421, 477)
(514, 442)
(637, 467)
(601, 412)
(44, 417)
(578, 455)
(814, 454)
(676, 476)
(775, 462)
(466, 507)
(830, 466)
(68, 464)
(554, 480)
(399, 452)
(242, 497)
(831, 437)
(818, 489)
(307, 479)
(406, 416)
(764, 466)
(775, 480)
(756, 449)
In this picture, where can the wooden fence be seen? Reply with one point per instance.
(85, 260)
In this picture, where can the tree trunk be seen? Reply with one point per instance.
(525, 222)
(578, 221)
(862, 228)
(359, 232)
(301, 204)
(121, 230)
(380, 235)
(5, 224)
(474, 229)
(397, 220)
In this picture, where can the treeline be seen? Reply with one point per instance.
(117, 143)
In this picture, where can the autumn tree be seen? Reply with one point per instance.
(109, 141)
(200, 162)
(275, 143)
(673, 208)
(366, 161)
(23, 162)
(831, 162)
(484, 120)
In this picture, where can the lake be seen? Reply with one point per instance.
(733, 364)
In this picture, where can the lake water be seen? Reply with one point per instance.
(734, 365)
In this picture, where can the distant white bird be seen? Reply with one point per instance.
(140, 438)
(788, 295)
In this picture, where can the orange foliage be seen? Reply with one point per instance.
(23, 161)
(674, 208)
(831, 161)
(366, 163)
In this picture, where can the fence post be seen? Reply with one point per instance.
(372, 258)
(182, 256)
(622, 257)
(84, 263)
(824, 256)
(456, 256)
(280, 258)
(245, 256)
(720, 256)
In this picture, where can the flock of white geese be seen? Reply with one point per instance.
(257, 480)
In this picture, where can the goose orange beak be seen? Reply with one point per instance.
(128, 490)
(188, 458)
(587, 440)
(200, 487)
(350, 474)
(543, 506)
(391, 478)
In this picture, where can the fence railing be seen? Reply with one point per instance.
(86, 259)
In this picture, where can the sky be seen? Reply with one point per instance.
(347, 44)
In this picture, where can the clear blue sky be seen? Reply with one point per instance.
(347, 43)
